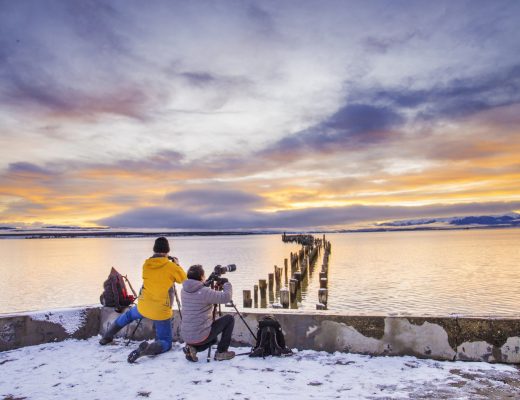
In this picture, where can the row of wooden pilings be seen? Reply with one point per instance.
(323, 291)
(294, 275)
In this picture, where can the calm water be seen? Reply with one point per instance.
(464, 272)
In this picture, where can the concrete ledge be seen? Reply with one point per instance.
(490, 339)
(28, 329)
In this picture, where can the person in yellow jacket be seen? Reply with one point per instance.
(160, 273)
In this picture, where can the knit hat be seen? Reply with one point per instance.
(161, 245)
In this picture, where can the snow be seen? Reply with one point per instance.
(70, 319)
(82, 369)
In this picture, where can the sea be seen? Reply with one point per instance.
(473, 272)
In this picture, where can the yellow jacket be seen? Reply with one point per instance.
(159, 275)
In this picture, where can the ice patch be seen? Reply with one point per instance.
(70, 320)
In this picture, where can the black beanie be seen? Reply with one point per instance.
(161, 245)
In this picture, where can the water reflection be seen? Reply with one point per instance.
(463, 272)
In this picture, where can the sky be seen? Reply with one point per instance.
(257, 114)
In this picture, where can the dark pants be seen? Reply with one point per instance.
(222, 325)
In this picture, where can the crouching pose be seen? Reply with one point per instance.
(198, 329)
(159, 275)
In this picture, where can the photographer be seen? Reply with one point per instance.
(198, 329)
(160, 273)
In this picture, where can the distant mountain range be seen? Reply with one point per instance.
(508, 220)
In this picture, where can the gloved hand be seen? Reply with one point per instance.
(221, 281)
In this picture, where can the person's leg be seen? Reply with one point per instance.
(129, 316)
(120, 322)
(162, 343)
(164, 334)
(222, 325)
(225, 325)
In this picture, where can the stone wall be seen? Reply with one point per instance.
(443, 338)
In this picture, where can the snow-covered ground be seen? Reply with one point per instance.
(81, 369)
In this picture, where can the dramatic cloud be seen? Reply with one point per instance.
(162, 217)
(243, 114)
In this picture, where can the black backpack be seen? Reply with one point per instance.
(269, 339)
(115, 293)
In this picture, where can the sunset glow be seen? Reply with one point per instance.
(231, 115)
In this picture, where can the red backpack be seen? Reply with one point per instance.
(115, 293)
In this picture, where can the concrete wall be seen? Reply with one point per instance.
(28, 329)
(443, 338)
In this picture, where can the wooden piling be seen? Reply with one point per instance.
(323, 283)
(248, 301)
(277, 277)
(293, 287)
(256, 295)
(262, 285)
(284, 297)
(320, 306)
(323, 295)
(271, 281)
(285, 267)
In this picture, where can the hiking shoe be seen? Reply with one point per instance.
(108, 337)
(224, 355)
(140, 351)
(191, 353)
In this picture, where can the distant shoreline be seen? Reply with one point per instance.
(131, 234)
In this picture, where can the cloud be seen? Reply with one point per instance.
(26, 168)
(214, 200)
(352, 126)
(456, 98)
(174, 218)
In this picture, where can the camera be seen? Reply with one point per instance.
(219, 269)
(217, 272)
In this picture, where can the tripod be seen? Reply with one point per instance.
(217, 286)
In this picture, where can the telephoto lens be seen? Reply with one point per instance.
(230, 268)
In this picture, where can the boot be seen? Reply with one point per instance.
(109, 334)
(145, 349)
(224, 355)
(191, 353)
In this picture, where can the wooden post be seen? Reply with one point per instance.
(320, 306)
(277, 277)
(323, 275)
(284, 297)
(248, 301)
(285, 267)
(262, 284)
(323, 283)
(293, 287)
(323, 295)
(256, 295)
(271, 281)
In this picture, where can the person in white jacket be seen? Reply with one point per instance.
(198, 329)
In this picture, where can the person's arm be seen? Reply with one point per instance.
(179, 275)
(219, 297)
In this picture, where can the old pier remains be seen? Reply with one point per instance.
(285, 286)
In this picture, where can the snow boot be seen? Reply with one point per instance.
(191, 353)
(109, 334)
(145, 349)
(224, 355)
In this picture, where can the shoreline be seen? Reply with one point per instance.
(13, 234)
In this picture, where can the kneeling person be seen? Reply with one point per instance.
(198, 329)
(159, 275)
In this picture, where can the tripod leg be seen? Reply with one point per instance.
(243, 320)
(133, 333)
